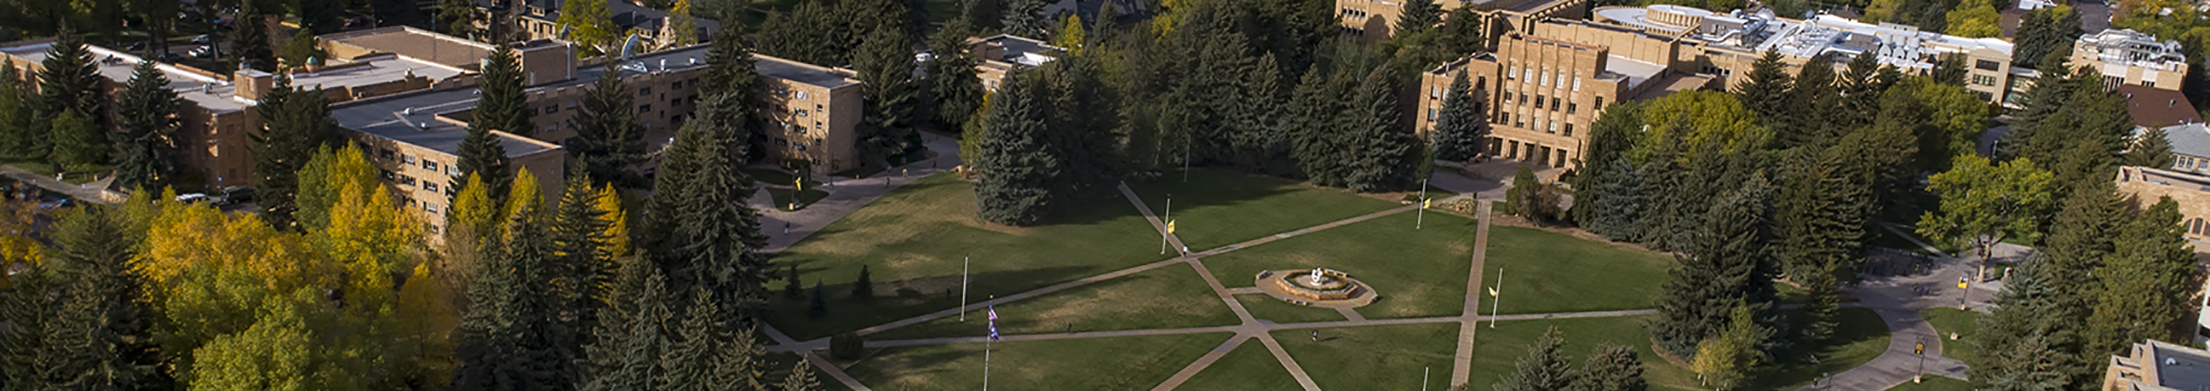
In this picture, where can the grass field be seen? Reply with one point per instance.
(1935, 383)
(1123, 363)
(1548, 272)
(1496, 352)
(1269, 308)
(1164, 298)
(1375, 357)
(1964, 323)
(1218, 207)
(1419, 273)
(914, 238)
(1248, 367)
(1858, 337)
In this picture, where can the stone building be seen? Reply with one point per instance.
(1002, 54)
(1726, 44)
(1545, 88)
(1376, 20)
(2190, 189)
(2158, 366)
(2132, 58)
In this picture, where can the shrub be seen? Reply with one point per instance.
(847, 345)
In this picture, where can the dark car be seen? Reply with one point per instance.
(236, 195)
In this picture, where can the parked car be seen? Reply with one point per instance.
(204, 51)
(52, 203)
(235, 195)
(203, 38)
(192, 198)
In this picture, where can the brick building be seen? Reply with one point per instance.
(1546, 88)
(2158, 366)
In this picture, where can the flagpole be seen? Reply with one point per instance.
(986, 365)
(963, 286)
(1416, 222)
(1169, 218)
(1496, 297)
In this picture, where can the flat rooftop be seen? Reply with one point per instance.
(209, 92)
(799, 72)
(410, 42)
(2179, 367)
(1634, 71)
(1023, 50)
(374, 70)
(412, 118)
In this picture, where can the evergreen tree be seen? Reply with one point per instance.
(609, 144)
(1860, 87)
(501, 104)
(819, 306)
(21, 136)
(511, 338)
(1950, 70)
(251, 42)
(662, 212)
(885, 65)
(1317, 144)
(1386, 155)
(482, 156)
(1766, 90)
(1610, 368)
(24, 350)
(1015, 168)
(1417, 16)
(688, 363)
(801, 378)
(1083, 114)
(2150, 149)
(2043, 31)
(103, 337)
(631, 334)
(1463, 128)
(1615, 203)
(1822, 214)
(293, 125)
(1255, 117)
(1727, 266)
(981, 15)
(734, 74)
(2030, 316)
(791, 287)
(725, 119)
(718, 233)
(76, 142)
(145, 144)
(2080, 236)
(1024, 18)
(953, 87)
(69, 81)
(864, 287)
(1544, 368)
(2144, 283)
(581, 271)
(1824, 306)
(1806, 118)
(1727, 358)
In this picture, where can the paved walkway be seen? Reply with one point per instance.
(1898, 302)
(848, 194)
(95, 191)
(1461, 363)
(822, 364)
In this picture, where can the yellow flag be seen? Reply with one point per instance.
(1424, 203)
(800, 183)
(1961, 283)
(1170, 226)
(1492, 291)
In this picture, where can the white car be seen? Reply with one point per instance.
(192, 198)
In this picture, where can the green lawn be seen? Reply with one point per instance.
(1419, 273)
(1935, 383)
(1121, 363)
(914, 238)
(1496, 352)
(1375, 357)
(1248, 367)
(1548, 272)
(1950, 320)
(1163, 298)
(1219, 207)
(1858, 337)
(1269, 308)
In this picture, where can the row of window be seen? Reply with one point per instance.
(1538, 100)
(408, 160)
(1349, 13)
(1532, 152)
(2189, 163)
(1542, 77)
(1541, 124)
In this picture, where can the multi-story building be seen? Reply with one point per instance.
(1002, 54)
(2186, 185)
(2152, 107)
(1375, 20)
(2131, 58)
(218, 112)
(1550, 84)
(540, 19)
(2158, 366)
(1726, 44)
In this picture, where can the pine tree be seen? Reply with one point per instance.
(1317, 144)
(25, 353)
(609, 144)
(1024, 18)
(1818, 215)
(864, 287)
(581, 271)
(689, 360)
(21, 137)
(293, 125)
(1016, 169)
(1544, 368)
(819, 306)
(719, 233)
(251, 42)
(104, 337)
(1806, 119)
(734, 77)
(738, 365)
(2150, 149)
(502, 105)
(145, 144)
(1860, 88)
(511, 338)
(1083, 114)
(1418, 16)
(1255, 119)
(2030, 316)
(801, 378)
(1726, 263)
(791, 288)
(69, 81)
(982, 15)
(1386, 154)
(482, 157)
(1824, 305)
(2080, 236)
(1463, 128)
(1614, 203)
(1727, 358)
(631, 334)
(885, 65)
(2144, 282)
(1610, 368)
(1766, 90)
(76, 142)
(953, 87)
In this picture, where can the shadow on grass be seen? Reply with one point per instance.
(1859, 336)
(908, 298)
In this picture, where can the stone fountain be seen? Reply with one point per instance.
(1319, 287)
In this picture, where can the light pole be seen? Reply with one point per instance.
(1422, 219)
(1496, 299)
(963, 286)
(1169, 220)
(1424, 368)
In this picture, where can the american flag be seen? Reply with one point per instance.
(993, 322)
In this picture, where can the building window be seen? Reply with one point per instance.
(802, 94)
(1435, 92)
(644, 109)
(390, 176)
(1545, 80)
(428, 164)
(1513, 74)
(1507, 96)
(452, 170)
(1538, 125)
(406, 159)
(1569, 130)
(1576, 84)
(1538, 101)
(1984, 80)
(386, 153)
(429, 185)
(644, 91)
(1599, 104)
(1572, 107)
(1431, 115)
(1553, 127)
(1986, 65)
(429, 207)
(1523, 98)
(406, 180)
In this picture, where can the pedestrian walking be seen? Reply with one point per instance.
(1315, 335)
(786, 228)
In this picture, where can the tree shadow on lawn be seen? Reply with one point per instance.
(1012, 321)
(1211, 187)
(1854, 326)
(905, 299)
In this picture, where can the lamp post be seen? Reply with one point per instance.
(1169, 220)
(1424, 368)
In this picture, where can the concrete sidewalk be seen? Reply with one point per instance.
(847, 194)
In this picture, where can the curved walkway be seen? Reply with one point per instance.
(1899, 304)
